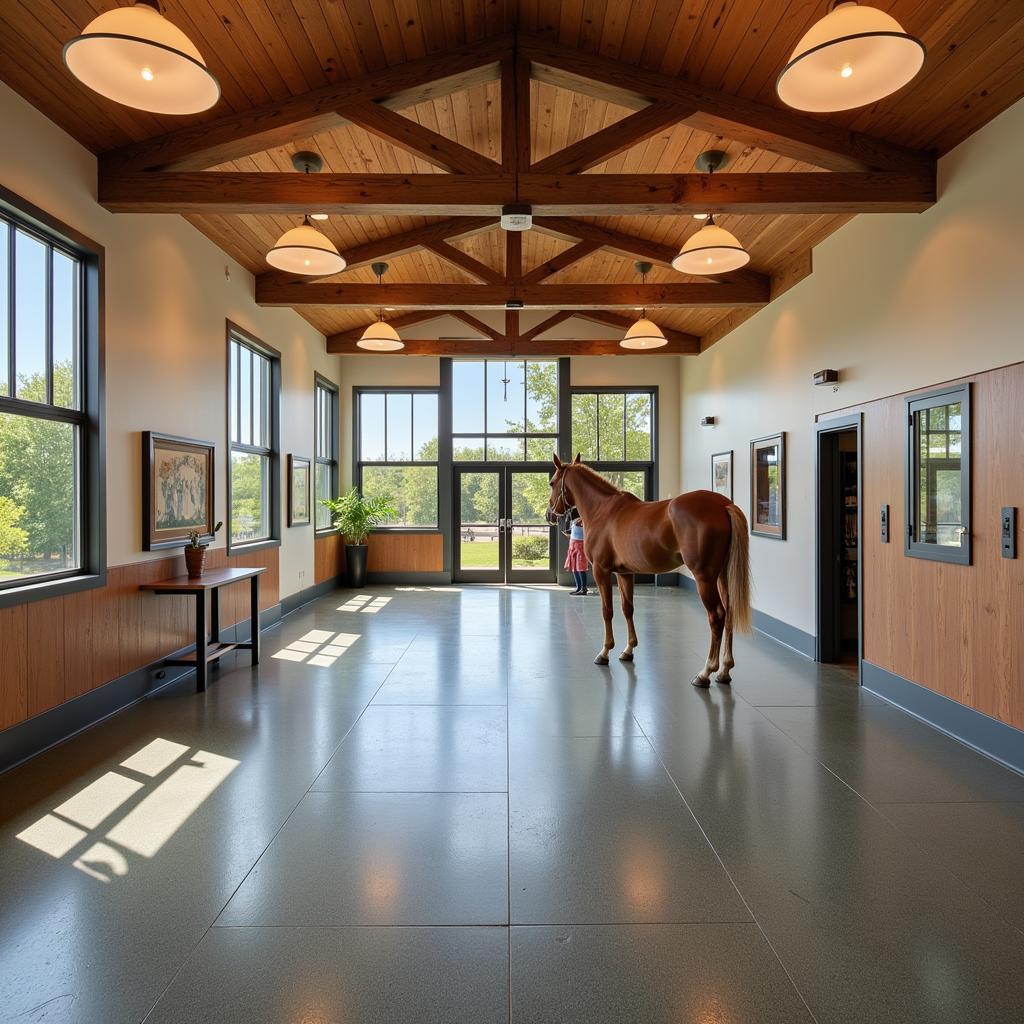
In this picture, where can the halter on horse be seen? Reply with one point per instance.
(700, 529)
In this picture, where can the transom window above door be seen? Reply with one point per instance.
(504, 410)
(609, 425)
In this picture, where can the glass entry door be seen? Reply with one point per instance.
(500, 532)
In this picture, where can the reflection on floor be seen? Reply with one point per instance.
(426, 808)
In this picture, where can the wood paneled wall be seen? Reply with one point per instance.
(328, 557)
(56, 649)
(406, 552)
(956, 629)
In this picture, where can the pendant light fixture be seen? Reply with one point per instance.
(644, 334)
(380, 336)
(712, 250)
(853, 56)
(305, 250)
(135, 56)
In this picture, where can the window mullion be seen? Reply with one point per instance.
(48, 328)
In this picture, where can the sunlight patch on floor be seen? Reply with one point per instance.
(319, 647)
(367, 604)
(174, 787)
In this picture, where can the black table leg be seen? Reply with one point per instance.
(254, 618)
(201, 641)
(215, 615)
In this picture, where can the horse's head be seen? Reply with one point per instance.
(560, 500)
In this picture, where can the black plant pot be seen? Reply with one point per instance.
(355, 564)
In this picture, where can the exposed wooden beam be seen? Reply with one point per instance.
(274, 292)
(524, 130)
(560, 262)
(615, 139)
(546, 324)
(477, 324)
(513, 256)
(415, 238)
(280, 123)
(607, 238)
(462, 260)
(772, 128)
(514, 348)
(549, 195)
(511, 327)
(409, 135)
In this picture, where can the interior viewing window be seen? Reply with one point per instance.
(938, 476)
(397, 451)
(325, 480)
(50, 491)
(253, 399)
(504, 411)
(613, 430)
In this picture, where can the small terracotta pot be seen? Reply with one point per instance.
(195, 561)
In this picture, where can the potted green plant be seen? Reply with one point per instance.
(354, 517)
(195, 552)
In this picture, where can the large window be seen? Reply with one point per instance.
(613, 430)
(397, 451)
(504, 410)
(938, 476)
(50, 402)
(325, 477)
(254, 385)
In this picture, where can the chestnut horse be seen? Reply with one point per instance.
(624, 535)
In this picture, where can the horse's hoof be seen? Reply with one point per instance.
(723, 680)
(700, 681)
(626, 656)
(601, 659)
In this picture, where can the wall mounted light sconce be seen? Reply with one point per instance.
(827, 377)
(708, 421)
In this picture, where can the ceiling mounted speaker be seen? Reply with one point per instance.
(135, 56)
(853, 56)
(516, 217)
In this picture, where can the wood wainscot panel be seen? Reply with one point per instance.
(955, 629)
(406, 552)
(328, 557)
(57, 649)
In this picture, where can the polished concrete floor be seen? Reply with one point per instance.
(427, 805)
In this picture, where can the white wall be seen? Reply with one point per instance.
(895, 302)
(167, 300)
(583, 371)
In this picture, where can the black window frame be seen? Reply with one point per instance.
(358, 463)
(330, 391)
(650, 466)
(926, 549)
(526, 435)
(89, 419)
(235, 333)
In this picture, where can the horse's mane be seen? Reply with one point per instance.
(603, 483)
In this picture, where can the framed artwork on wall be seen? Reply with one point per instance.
(177, 490)
(768, 486)
(298, 491)
(721, 474)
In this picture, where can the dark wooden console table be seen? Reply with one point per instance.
(210, 583)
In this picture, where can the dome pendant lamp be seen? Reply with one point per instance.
(853, 56)
(305, 250)
(712, 249)
(644, 334)
(380, 336)
(135, 56)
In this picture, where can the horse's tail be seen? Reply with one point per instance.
(737, 571)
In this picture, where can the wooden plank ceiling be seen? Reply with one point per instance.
(266, 51)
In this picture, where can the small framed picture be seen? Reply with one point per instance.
(721, 474)
(298, 491)
(177, 490)
(768, 486)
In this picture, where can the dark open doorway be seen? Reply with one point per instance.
(839, 517)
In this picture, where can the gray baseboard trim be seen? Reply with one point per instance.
(988, 736)
(775, 629)
(295, 601)
(50, 728)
